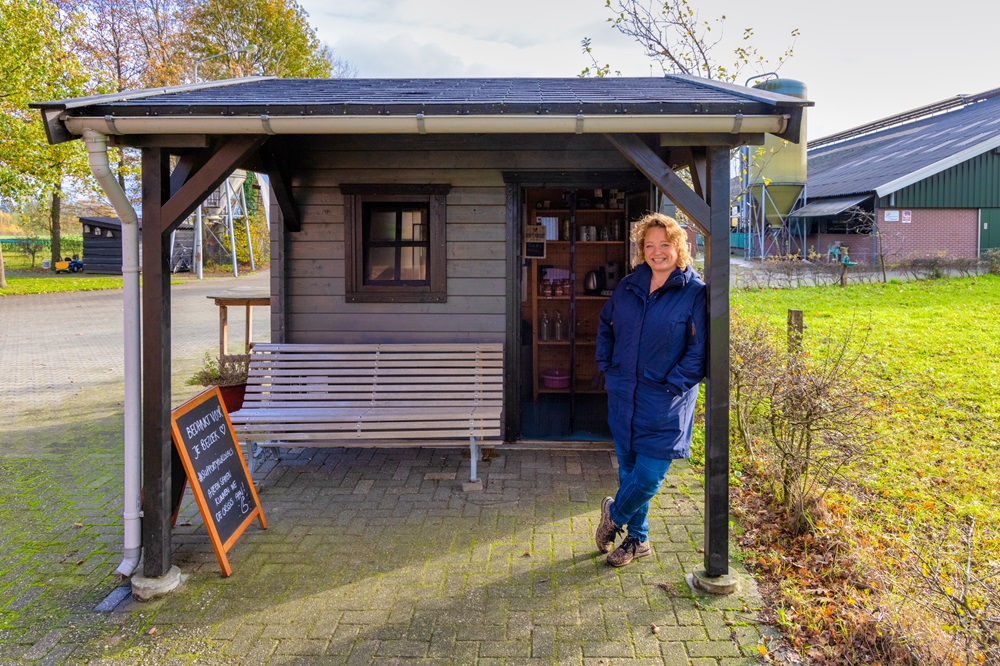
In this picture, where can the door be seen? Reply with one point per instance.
(989, 229)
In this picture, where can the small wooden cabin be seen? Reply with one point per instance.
(445, 210)
(102, 246)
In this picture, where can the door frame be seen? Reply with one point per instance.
(515, 185)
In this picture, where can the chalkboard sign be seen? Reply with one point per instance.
(216, 470)
(534, 241)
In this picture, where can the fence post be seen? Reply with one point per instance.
(795, 331)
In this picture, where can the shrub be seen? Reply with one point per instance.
(230, 371)
(802, 415)
(991, 261)
(946, 588)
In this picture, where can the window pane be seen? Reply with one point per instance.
(414, 226)
(383, 225)
(413, 262)
(381, 264)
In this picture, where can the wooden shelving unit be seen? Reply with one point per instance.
(589, 238)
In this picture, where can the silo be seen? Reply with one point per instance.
(778, 168)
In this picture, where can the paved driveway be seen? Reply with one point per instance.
(370, 556)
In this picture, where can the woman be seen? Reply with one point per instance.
(651, 349)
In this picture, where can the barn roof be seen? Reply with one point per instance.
(890, 159)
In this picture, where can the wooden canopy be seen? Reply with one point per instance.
(193, 137)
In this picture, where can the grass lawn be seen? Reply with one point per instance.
(51, 283)
(23, 278)
(935, 468)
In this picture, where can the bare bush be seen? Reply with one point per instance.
(990, 262)
(940, 265)
(944, 578)
(802, 415)
(752, 356)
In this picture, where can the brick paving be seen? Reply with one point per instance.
(371, 556)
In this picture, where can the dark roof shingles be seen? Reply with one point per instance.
(443, 96)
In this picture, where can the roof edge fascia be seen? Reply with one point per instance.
(736, 125)
(77, 102)
(755, 94)
(937, 167)
(53, 112)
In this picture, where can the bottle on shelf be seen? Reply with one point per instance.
(543, 327)
(558, 326)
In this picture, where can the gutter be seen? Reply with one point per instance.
(97, 153)
(427, 124)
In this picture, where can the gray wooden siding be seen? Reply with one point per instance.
(313, 266)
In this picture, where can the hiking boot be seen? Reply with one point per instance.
(630, 549)
(607, 531)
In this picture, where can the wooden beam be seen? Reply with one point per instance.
(512, 357)
(661, 175)
(277, 173)
(195, 188)
(185, 166)
(717, 384)
(156, 443)
(159, 141)
(698, 166)
(711, 139)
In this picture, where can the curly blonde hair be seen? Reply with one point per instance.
(676, 236)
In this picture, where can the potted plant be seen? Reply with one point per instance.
(229, 373)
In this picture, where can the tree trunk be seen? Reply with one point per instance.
(3, 274)
(54, 226)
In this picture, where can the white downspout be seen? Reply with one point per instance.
(97, 152)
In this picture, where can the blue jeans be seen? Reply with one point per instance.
(639, 479)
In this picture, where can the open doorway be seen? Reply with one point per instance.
(575, 251)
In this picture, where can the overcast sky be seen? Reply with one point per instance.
(860, 59)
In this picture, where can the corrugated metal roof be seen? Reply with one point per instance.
(827, 207)
(893, 158)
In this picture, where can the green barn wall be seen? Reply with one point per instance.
(974, 183)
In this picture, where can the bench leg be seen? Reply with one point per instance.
(473, 458)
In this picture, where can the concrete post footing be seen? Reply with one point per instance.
(720, 585)
(147, 589)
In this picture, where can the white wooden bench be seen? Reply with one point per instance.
(310, 395)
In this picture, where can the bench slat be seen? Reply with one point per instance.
(373, 436)
(418, 347)
(372, 394)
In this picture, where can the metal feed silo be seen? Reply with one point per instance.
(776, 177)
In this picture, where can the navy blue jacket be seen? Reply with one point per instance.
(651, 349)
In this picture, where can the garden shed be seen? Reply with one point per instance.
(102, 245)
(443, 211)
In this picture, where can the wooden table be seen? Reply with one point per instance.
(245, 299)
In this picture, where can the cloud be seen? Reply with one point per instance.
(400, 56)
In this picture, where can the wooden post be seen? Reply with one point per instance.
(794, 331)
(717, 387)
(156, 437)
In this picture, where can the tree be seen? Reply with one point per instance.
(674, 35)
(36, 65)
(130, 44)
(287, 45)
